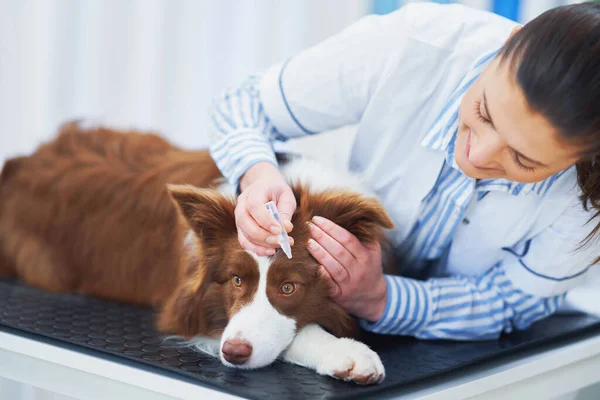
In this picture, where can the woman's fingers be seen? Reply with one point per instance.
(336, 270)
(332, 287)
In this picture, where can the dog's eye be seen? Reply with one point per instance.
(237, 281)
(288, 288)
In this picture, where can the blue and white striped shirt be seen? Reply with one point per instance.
(438, 308)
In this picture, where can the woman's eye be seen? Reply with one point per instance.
(237, 281)
(521, 165)
(288, 288)
(479, 114)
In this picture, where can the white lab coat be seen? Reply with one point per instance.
(391, 76)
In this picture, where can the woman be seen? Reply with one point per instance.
(480, 139)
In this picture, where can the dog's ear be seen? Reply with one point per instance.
(208, 212)
(189, 312)
(362, 216)
(198, 306)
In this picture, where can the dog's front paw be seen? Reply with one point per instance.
(354, 361)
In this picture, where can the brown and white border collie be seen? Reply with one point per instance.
(127, 216)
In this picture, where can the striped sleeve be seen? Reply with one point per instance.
(323, 87)
(459, 308)
(241, 133)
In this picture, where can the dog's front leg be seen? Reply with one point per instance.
(342, 358)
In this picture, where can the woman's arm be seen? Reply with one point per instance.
(324, 87)
(241, 132)
(321, 88)
(528, 284)
(460, 308)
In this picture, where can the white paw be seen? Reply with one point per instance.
(354, 361)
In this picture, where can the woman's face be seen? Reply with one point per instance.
(499, 136)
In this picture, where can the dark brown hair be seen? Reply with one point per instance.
(555, 59)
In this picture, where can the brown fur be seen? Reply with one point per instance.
(90, 211)
(106, 213)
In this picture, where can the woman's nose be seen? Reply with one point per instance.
(484, 150)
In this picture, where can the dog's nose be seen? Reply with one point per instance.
(236, 351)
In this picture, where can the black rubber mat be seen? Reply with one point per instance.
(126, 331)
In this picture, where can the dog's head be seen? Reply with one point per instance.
(257, 304)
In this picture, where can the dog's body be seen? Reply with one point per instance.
(90, 212)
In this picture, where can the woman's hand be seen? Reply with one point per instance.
(354, 270)
(257, 229)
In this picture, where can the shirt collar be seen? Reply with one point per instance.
(442, 134)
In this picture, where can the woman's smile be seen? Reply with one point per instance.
(468, 145)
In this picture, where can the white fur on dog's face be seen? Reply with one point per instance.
(260, 324)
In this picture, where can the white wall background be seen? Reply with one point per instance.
(528, 9)
(153, 64)
(144, 63)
